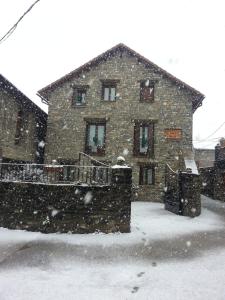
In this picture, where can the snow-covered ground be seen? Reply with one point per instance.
(164, 257)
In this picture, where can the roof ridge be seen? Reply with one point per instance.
(146, 61)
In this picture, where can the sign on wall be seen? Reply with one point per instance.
(173, 133)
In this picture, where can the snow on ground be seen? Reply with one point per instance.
(164, 257)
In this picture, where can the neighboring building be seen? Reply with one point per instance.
(22, 126)
(204, 157)
(120, 103)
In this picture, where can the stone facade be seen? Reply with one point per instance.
(22, 124)
(172, 108)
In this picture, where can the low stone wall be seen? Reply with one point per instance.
(219, 180)
(191, 194)
(68, 208)
(207, 176)
(182, 194)
(213, 181)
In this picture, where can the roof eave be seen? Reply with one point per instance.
(44, 92)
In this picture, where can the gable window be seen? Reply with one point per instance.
(109, 90)
(147, 91)
(143, 138)
(79, 96)
(95, 138)
(147, 175)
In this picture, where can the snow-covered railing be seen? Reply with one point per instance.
(87, 160)
(55, 174)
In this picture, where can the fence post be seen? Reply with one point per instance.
(191, 196)
(121, 194)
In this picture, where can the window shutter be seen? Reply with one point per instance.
(136, 138)
(151, 139)
(141, 175)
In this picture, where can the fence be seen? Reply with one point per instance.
(182, 193)
(55, 174)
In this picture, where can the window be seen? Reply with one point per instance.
(147, 91)
(143, 139)
(95, 138)
(109, 90)
(79, 96)
(147, 175)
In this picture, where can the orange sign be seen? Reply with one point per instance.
(173, 134)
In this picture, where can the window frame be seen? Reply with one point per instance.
(150, 84)
(137, 138)
(100, 150)
(143, 174)
(109, 84)
(76, 90)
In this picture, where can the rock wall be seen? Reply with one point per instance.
(68, 208)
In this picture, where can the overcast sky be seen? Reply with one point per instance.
(185, 37)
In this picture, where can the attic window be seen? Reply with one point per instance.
(109, 88)
(79, 96)
(147, 91)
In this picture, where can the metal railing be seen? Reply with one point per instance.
(56, 174)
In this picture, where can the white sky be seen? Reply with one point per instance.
(185, 37)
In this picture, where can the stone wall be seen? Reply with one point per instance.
(182, 193)
(68, 208)
(213, 179)
(219, 180)
(207, 181)
(191, 194)
(172, 108)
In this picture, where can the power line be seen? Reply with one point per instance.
(215, 130)
(12, 29)
(206, 139)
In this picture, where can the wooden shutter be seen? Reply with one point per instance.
(141, 175)
(136, 138)
(151, 139)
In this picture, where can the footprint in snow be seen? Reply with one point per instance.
(140, 274)
(135, 289)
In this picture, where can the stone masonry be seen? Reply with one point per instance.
(13, 101)
(172, 108)
(74, 208)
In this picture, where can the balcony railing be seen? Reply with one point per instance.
(56, 174)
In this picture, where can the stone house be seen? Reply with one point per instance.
(22, 126)
(120, 103)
